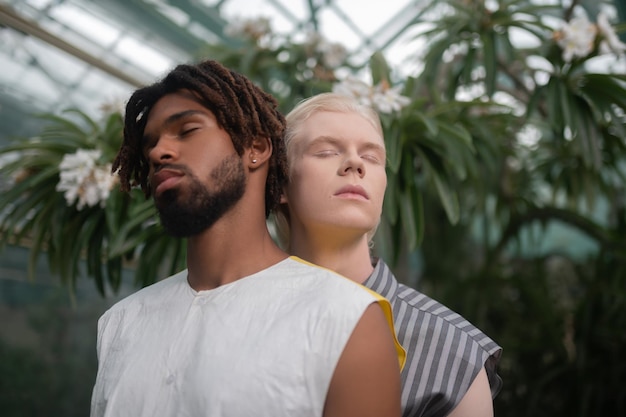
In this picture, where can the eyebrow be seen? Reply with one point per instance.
(170, 120)
(322, 139)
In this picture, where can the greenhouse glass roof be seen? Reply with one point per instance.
(57, 54)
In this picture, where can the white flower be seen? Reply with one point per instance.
(610, 41)
(83, 179)
(388, 100)
(313, 38)
(333, 54)
(576, 38)
(113, 106)
(355, 88)
(235, 28)
(254, 28)
(382, 98)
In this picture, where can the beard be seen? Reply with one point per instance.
(203, 207)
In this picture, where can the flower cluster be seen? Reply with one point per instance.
(82, 178)
(254, 29)
(382, 97)
(328, 54)
(113, 106)
(578, 37)
(333, 54)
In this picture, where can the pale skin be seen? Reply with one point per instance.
(181, 131)
(328, 227)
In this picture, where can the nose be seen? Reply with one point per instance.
(164, 150)
(352, 164)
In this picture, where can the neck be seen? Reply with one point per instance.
(349, 257)
(236, 246)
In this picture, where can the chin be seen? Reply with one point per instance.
(352, 225)
(354, 219)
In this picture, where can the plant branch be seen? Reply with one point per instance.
(545, 214)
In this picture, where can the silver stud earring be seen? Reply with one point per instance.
(254, 161)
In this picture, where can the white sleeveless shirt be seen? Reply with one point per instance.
(264, 345)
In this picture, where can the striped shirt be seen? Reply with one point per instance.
(444, 352)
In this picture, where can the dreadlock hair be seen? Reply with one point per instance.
(241, 108)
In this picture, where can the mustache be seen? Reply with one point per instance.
(173, 167)
(180, 168)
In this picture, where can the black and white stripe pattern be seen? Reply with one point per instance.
(445, 352)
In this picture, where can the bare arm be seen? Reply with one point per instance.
(477, 401)
(366, 382)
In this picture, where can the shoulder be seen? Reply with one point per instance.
(426, 308)
(425, 326)
(152, 294)
(417, 313)
(308, 276)
(338, 293)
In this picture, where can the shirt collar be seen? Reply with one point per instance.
(382, 280)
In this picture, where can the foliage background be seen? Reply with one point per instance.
(503, 145)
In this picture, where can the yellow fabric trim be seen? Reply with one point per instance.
(382, 302)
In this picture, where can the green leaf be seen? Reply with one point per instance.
(379, 68)
(431, 124)
(132, 233)
(447, 197)
(390, 206)
(394, 139)
(417, 212)
(589, 138)
(566, 108)
(95, 258)
(114, 271)
(458, 132)
(489, 49)
(408, 221)
(553, 98)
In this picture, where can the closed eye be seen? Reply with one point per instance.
(374, 153)
(188, 130)
(326, 153)
(372, 158)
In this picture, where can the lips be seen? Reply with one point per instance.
(352, 191)
(164, 179)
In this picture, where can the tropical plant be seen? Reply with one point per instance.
(62, 200)
(534, 128)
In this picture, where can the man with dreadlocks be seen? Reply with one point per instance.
(245, 330)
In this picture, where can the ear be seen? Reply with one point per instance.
(260, 151)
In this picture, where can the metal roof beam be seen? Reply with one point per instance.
(208, 17)
(11, 19)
